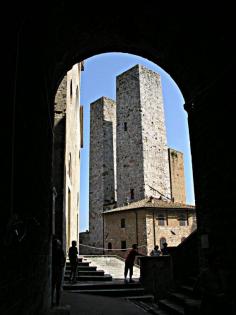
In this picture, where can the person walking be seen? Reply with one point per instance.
(73, 257)
(129, 262)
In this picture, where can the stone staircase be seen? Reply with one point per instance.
(182, 301)
(93, 281)
(85, 272)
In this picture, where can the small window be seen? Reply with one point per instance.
(77, 96)
(109, 245)
(122, 223)
(70, 166)
(182, 220)
(71, 89)
(131, 194)
(123, 245)
(161, 220)
(125, 126)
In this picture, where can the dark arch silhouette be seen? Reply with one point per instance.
(41, 43)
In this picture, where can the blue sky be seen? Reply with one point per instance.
(98, 79)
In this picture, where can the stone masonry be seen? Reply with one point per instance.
(142, 156)
(177, 179)
(68, 141)
(102, 165)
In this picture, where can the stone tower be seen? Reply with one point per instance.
(102, 172)
(177, 179)
(142, 154)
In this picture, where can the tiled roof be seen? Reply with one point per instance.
(154, 203)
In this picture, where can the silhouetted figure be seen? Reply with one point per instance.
(73, 256)
(211, 287)
(155, 251)
(129, 262)
(164, 250)
(58, 263)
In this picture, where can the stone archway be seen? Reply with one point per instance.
(44, 44)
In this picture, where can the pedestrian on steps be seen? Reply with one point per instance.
(129, 262)
(73, 257)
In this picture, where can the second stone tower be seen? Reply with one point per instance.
(142, 153)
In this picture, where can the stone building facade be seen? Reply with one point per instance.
(68, 141)
(142, 156)
(102, 159)
(147, 222)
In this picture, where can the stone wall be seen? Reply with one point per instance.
(177, 179)
(101, 166)
(74, 134)
(142, 157)
(58, 159)
(156, 275)
(68, 136)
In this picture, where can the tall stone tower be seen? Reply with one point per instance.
(102, 172)
(142, 154)
(177, 179)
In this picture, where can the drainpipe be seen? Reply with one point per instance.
(136, 217)
(103, 240)
(154, 230)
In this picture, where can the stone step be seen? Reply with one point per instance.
(144, 298)
(171, 307)
(178, 298)
(187, 290)
(79, 261)
(104, 285)
(86, 273)
(80, 264)
(149, 307)
(68, 285)
(85, 268)
(112, 292)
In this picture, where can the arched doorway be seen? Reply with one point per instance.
(200, 58)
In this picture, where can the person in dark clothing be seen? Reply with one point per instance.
(129, 262)
(58, 263)
(73, 256)
(164, 250)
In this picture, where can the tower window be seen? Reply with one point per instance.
(125, 126)
(131, 194)
(109, 245)
(161, 220)
(122, 223)
(183, 220)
